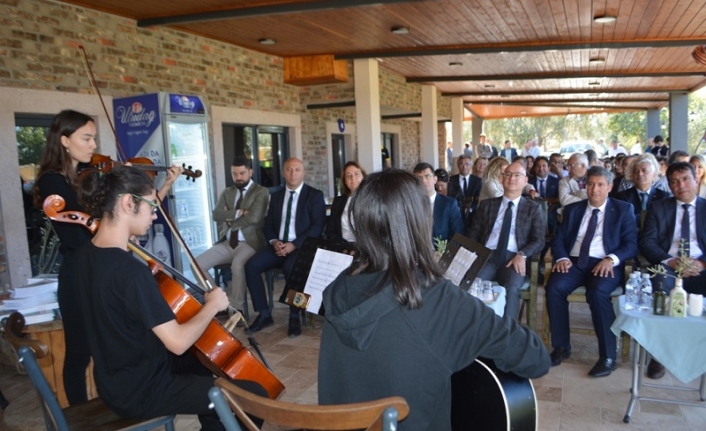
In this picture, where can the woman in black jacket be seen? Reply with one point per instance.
(339, 227)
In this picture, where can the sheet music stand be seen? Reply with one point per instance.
(305, 258)
(459, 241)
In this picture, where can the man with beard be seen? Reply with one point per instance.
(240, 214)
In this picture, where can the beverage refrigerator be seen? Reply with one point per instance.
(172, 129)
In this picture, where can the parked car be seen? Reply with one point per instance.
(570, 147)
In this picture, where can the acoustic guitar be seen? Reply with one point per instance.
(484, 398)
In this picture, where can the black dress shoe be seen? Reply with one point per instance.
(558, 355)
(655, 370)
(295, 327)
(603, 367)
(260, 323)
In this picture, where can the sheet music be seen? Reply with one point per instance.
(326, 267)
(460, 265)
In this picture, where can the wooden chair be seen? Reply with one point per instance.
(381, 414)
(528, 295)
(89, 416)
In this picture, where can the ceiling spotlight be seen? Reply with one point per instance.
(594, 83)
(399, 30)
(489, 86)
(455, 63)
(523, 112)
(267, 41)
(605, 19)
(597, 60)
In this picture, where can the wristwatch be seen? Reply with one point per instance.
(522, 253)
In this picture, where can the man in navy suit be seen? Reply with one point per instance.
(643, 175)
(447, 216)
(465, 188)
(590, 247)
(513, 243)
(296, 212)
(508, 152)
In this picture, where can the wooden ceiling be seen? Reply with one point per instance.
(503, 57)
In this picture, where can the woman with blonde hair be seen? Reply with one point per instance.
(493, 185)
(480, 168)
(699, 163)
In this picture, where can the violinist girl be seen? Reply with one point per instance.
(70, 145)
(141, 365)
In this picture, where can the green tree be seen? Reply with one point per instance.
(628, 127)
(30, 144)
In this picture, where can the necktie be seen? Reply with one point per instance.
(464, 185)
(500, 250)
(587, 239)
(285, 238)
(233, 241)
(643, 200)
(582, 183)
(685, 230)
(541, 187)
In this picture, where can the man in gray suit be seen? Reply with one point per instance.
(514, 229)
(240, 214)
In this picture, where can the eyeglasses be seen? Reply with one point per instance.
(154, 205)
(513, 174)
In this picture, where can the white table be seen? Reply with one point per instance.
(677, 343)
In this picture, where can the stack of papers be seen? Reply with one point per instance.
(36, 301)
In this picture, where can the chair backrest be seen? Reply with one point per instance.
(13, 332)
(371, 415)
(53, 415)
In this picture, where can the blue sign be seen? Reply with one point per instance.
(341, 125)
(136, 120)
(182, 104)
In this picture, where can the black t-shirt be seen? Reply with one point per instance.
(71, 235)
(121, 304)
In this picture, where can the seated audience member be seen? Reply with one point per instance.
(465, 188)
(659, 148)
(622, 182)
(572, 189)
(492, 185)
(442, 181)
(547, 188)
(616, 148)
(513, 227)
(339, 226)
(240, 214)
(141, 365)
(678, 156)
(508, 152)
(529, 164)
(479, 167)
(556, 166)
(447, 216)
(592, 158)
(595, 237)
(608, 164)
(699, 163)
(296, 212)
(650, 145)
(395, 326)
(670, 223)
(642, 174)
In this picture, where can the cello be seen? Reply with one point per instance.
(217, 348)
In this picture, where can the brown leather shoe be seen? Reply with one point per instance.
(655, 370)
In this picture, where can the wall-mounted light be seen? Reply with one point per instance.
(399, 30)
(605, 19)
(267, 41)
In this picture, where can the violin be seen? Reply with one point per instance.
(102, 163)
(217, 348)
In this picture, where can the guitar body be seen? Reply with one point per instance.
(484, 398)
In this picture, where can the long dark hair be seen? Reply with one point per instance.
(55, 158)
(393, 228)
(344, 188)
(100, 192)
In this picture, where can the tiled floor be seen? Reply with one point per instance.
(568, 399)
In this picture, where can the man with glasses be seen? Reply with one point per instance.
(447, 216)
(572, 189)
(514, 229)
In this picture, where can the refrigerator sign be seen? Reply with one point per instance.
(181, 104)
(136, 120)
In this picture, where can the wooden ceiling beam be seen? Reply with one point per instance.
(586, 91)
(420, 51)
(555, 105)
(540, 101)
(544, 76)
(267, 10)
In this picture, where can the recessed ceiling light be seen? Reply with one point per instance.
(605, 19)
(267, 41)
(489, 86)
(455, 63)
(596, 60)
(523, 112)
(399, 30)
(594, 83)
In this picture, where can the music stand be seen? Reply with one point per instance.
(452, 248)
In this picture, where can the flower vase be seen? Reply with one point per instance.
(677, 300)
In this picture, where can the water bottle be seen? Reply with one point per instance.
(645, 293)
(632, 292)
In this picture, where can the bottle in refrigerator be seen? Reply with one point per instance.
(160, 245)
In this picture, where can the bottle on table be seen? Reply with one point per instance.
(632, 292)
(659, 301)
(645, 293)
(677, 300)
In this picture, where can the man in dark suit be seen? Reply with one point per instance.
(669, 223)
(514, 229)
(508, 152)
(447, 216)
(295, 213)
(547, 185)
(643, 175)
(593, 240)
(465, 188)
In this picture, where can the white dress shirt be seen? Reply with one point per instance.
(292, 225)
(694, 249)
(597, 249)
(347, 223)
(492, 242)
